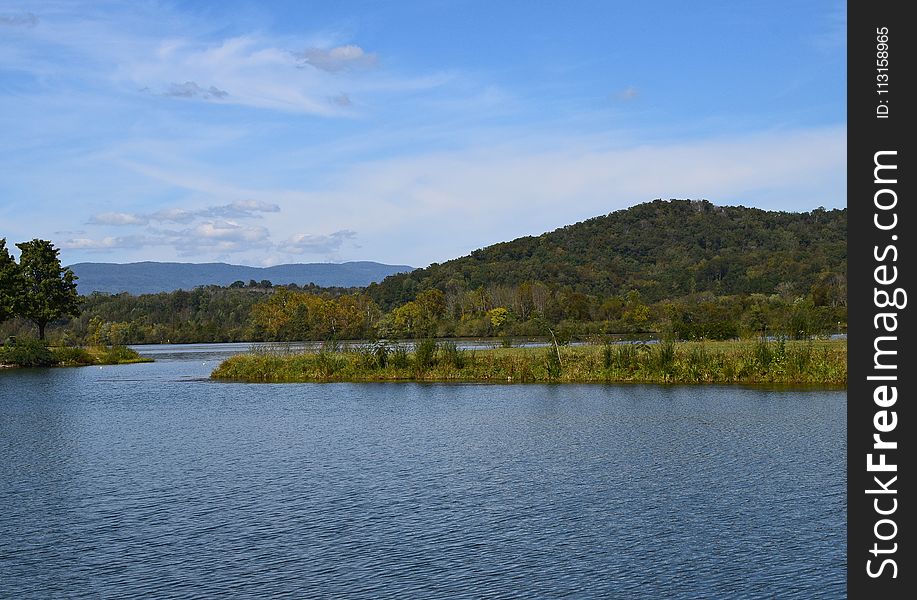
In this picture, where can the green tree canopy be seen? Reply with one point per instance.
(49, 290)
(10, 283)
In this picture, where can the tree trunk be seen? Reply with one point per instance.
(41, 331)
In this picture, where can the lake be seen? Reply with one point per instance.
(150, 480)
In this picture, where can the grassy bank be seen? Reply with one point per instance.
(34, 353)
(735, 362)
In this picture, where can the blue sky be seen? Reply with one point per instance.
(404, 132)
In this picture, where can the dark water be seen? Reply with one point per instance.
(146, 480)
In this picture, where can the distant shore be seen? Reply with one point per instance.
(816, 362)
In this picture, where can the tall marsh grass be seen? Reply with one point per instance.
(736, 362)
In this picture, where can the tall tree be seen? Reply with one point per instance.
(49, 290)
(10, 283)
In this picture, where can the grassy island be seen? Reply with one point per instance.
(819, 362)
(35, 353)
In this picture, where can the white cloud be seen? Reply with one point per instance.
(218, 237)
(338, 58)
(229, 231)
(109, 243)
(247, 70)
(117, 218)
(208, 238)
(173, 215)
(309, 243)
(240, 209)
(435, 206)
(448, 204)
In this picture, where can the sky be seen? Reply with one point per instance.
(405, 132)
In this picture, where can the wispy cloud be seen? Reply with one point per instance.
(212, 231)
(252, 70)
(109, 243)
(218, 237)
(117, 218)
(335, 59)
(627, 94)
(309, 243)
(25, 19)
(516, 187)
(152, 117)
(240, 209)
(342, 99)
(190, 89)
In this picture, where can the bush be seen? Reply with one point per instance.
(118, 354)
(398, 357)
(451, 354)
(72, 356)
(425, 354)
(328, 363)
(27, 352)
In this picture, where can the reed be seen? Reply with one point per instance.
(737, 362)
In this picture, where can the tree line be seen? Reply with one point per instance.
(681, 268)
(286, 313)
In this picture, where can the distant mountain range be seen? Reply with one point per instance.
(153, 277)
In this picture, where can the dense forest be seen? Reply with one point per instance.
(661, 249)
(686, 269)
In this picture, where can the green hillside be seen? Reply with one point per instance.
(663, 249)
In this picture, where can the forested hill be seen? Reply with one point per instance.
(663, 249)
(154, 277)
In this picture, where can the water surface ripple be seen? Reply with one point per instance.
(145, 480)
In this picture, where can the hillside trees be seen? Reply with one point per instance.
(289, 315)
(663, 249)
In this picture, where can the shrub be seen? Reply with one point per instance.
(27, 352)
(118, 354)
(763, 353)
(451, 354)
(72, 356)
(328, 363)
(398, 357)
(425, 354)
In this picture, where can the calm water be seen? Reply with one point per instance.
(150, 480)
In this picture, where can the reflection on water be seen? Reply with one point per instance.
(148, 479)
